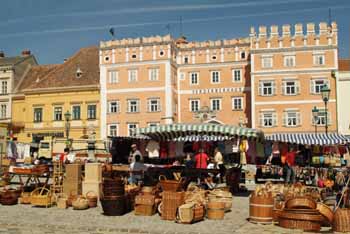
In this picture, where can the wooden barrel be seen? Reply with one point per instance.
(261, 209)
(114, 207)
(215, 210)
(113, 187)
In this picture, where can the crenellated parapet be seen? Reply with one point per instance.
(131, 42)
(214, 44)
(298, 35)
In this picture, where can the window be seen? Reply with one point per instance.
(267, 88)
(186, 60)
(57, 113)
(289, 61)
(215, 77)
(194, 105)
(131, 128)
(317, 84)
(154, 105)
(114, 107)
(243, 55)
(266, 62)
(153, 74)
(237, 75)
(113, 77)
(290, 88)
(38, 115)
(291, 119)
(194, 78)
(133, 105)
(133, 56)
(237, 103)
(153, 124)
(215, 104)
(113, 130)
(268, 119)
(91, 114)
(321, 118)
(161, 53)
(213, 57)
(76, 113)
(3, 111)
(132, 75)
(3, 87)
(319, 59)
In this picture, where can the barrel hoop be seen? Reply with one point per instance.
(216, 208)
(260, 205)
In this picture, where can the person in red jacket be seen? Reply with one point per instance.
(201, 159)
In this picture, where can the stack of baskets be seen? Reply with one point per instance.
(113, 200)
(221, 196)
(301, 213)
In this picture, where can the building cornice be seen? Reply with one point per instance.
(62, 89)
(291, 49)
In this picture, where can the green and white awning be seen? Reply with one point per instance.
(173, 131)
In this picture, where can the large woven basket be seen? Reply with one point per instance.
(299, 224)
(301, 216)
(81, 203)
(8, 198)
(170, 185)
(326, 212)
(301, 202)
(190, 213)
(41, 197)
(341, 220)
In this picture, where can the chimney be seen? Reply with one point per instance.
(64, 60)
(2, 54)
(25, 53)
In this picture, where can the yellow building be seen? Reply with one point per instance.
(48, 92)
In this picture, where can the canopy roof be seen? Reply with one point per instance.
(174, 131)
(310, 138)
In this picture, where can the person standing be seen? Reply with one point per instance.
(136, 170)
(219, 163)
(134, 151)
(201, 159)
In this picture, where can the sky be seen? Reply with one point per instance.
(56, 29)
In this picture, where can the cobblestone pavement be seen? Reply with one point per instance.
(24, 219)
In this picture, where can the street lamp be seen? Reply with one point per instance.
(67, 117)
(315, 116)
(325, 97)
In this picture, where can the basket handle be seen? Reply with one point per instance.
(162, 177)
(181, 180)
(41, 192)
(87, 194)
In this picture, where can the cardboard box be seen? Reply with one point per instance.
(95, 187)
(93, 172)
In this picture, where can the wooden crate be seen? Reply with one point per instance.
(95, 187)
(73, 172)
(145, 210)
(93, 172)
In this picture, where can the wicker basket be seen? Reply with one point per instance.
(81, 203)
(62, 202)
(25, 198)
(71, 198)
(300, 202)
(341, 220)
(145, 200)
(326, 212)
(170, 202)
(170, 185)
(92, 199)
(41, 197)
(301, 216)
(215, 210)
(8, 198)
(300, 224)
(190, 213)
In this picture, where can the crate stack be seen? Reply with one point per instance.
(72, 183)
(93, 179)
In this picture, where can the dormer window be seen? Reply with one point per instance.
(79, 73)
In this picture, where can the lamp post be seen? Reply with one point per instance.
(325, 97)
(315, 116)
(67, 117)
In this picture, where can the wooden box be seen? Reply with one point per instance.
(145, 210)
(73, 172)
(95, 187)
(93, 172)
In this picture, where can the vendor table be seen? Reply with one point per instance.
(25, 179)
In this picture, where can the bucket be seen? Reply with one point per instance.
(261, 209)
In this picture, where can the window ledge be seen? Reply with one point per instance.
(237, 109)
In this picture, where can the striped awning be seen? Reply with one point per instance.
(173, 131)
(310, 138)
(202, 138)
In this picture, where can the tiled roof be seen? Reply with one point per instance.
(10, 61)
(65, 75)
(344, 64)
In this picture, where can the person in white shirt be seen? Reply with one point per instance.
(219, 163)
(153, 149)
(134, 151)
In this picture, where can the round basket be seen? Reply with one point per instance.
(301, 202)
(341, 220)
(92, 199)
(8, 198)
(80, 203)
(326, 212)
(299, 224)
(301, 216)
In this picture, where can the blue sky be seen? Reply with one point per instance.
(56, 29)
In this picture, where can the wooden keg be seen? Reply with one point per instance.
(215, 210)
(261, 209)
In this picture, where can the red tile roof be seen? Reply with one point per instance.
(344, 64)
(65, 75)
